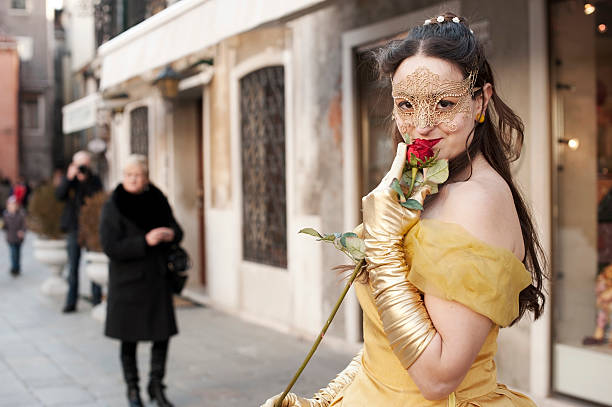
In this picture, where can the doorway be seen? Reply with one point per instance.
(188, 180)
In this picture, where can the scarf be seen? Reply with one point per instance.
(147, 210)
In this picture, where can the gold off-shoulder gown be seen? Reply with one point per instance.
(445, 261)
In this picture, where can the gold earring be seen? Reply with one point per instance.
(480, 118)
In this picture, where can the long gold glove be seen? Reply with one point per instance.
(400, 306)
(323, 397)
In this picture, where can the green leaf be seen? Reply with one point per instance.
(412, 204)
(329, 238)
(338, 245)
(355, 247)
(438, 172)
(311, 232)
(395, 185)
(407, 178)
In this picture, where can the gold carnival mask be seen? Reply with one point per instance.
(422, 99)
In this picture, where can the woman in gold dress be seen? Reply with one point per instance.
(440, 284)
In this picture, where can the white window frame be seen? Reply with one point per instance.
(280, 278)
(266, 59)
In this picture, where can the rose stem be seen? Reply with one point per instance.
(314, 347)
(414, 173)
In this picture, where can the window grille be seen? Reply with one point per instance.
(139, 131)
(262, 109)
(107, 20)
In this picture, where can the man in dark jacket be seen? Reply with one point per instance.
(78, 184)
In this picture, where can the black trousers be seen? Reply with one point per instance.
(159, 354)
(74, 257)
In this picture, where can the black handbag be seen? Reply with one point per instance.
(178, 264)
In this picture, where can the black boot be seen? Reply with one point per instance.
(159, 353)
(157, 394)
(130, 373)
(133, 395)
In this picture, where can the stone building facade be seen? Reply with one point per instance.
(30, 23)
(259, 120)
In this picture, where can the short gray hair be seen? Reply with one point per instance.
(139, 160)
(81, 154)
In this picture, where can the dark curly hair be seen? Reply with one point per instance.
(499, 139)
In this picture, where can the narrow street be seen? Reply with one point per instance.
(51, 359)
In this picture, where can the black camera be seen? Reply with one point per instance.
(83, 169)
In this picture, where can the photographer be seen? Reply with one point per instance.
(78, 184)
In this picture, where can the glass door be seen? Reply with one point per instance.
(581, 67)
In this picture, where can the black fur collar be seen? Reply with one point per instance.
(147, 210)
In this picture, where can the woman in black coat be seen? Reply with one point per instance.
(136, 230)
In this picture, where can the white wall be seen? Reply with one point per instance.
(80, 32)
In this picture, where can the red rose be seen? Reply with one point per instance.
(421, 149)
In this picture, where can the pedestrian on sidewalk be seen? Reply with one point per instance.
(21, 191)
(137, 229)
(15, 228)
(78, 183)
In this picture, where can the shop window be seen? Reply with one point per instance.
(139, 131)
(262, 124)
(582, 252)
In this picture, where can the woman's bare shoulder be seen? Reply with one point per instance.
(484, 206)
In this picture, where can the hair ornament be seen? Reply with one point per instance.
(427, 22)
(456, 20)
(440, 19)
(472, 31)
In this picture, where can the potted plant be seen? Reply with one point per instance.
(44, 213)
(96, 262)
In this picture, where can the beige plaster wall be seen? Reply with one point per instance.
(220, 159)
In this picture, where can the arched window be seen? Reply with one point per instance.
(139, 131)
(262, 112)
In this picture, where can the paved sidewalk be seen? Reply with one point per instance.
(51, 359)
